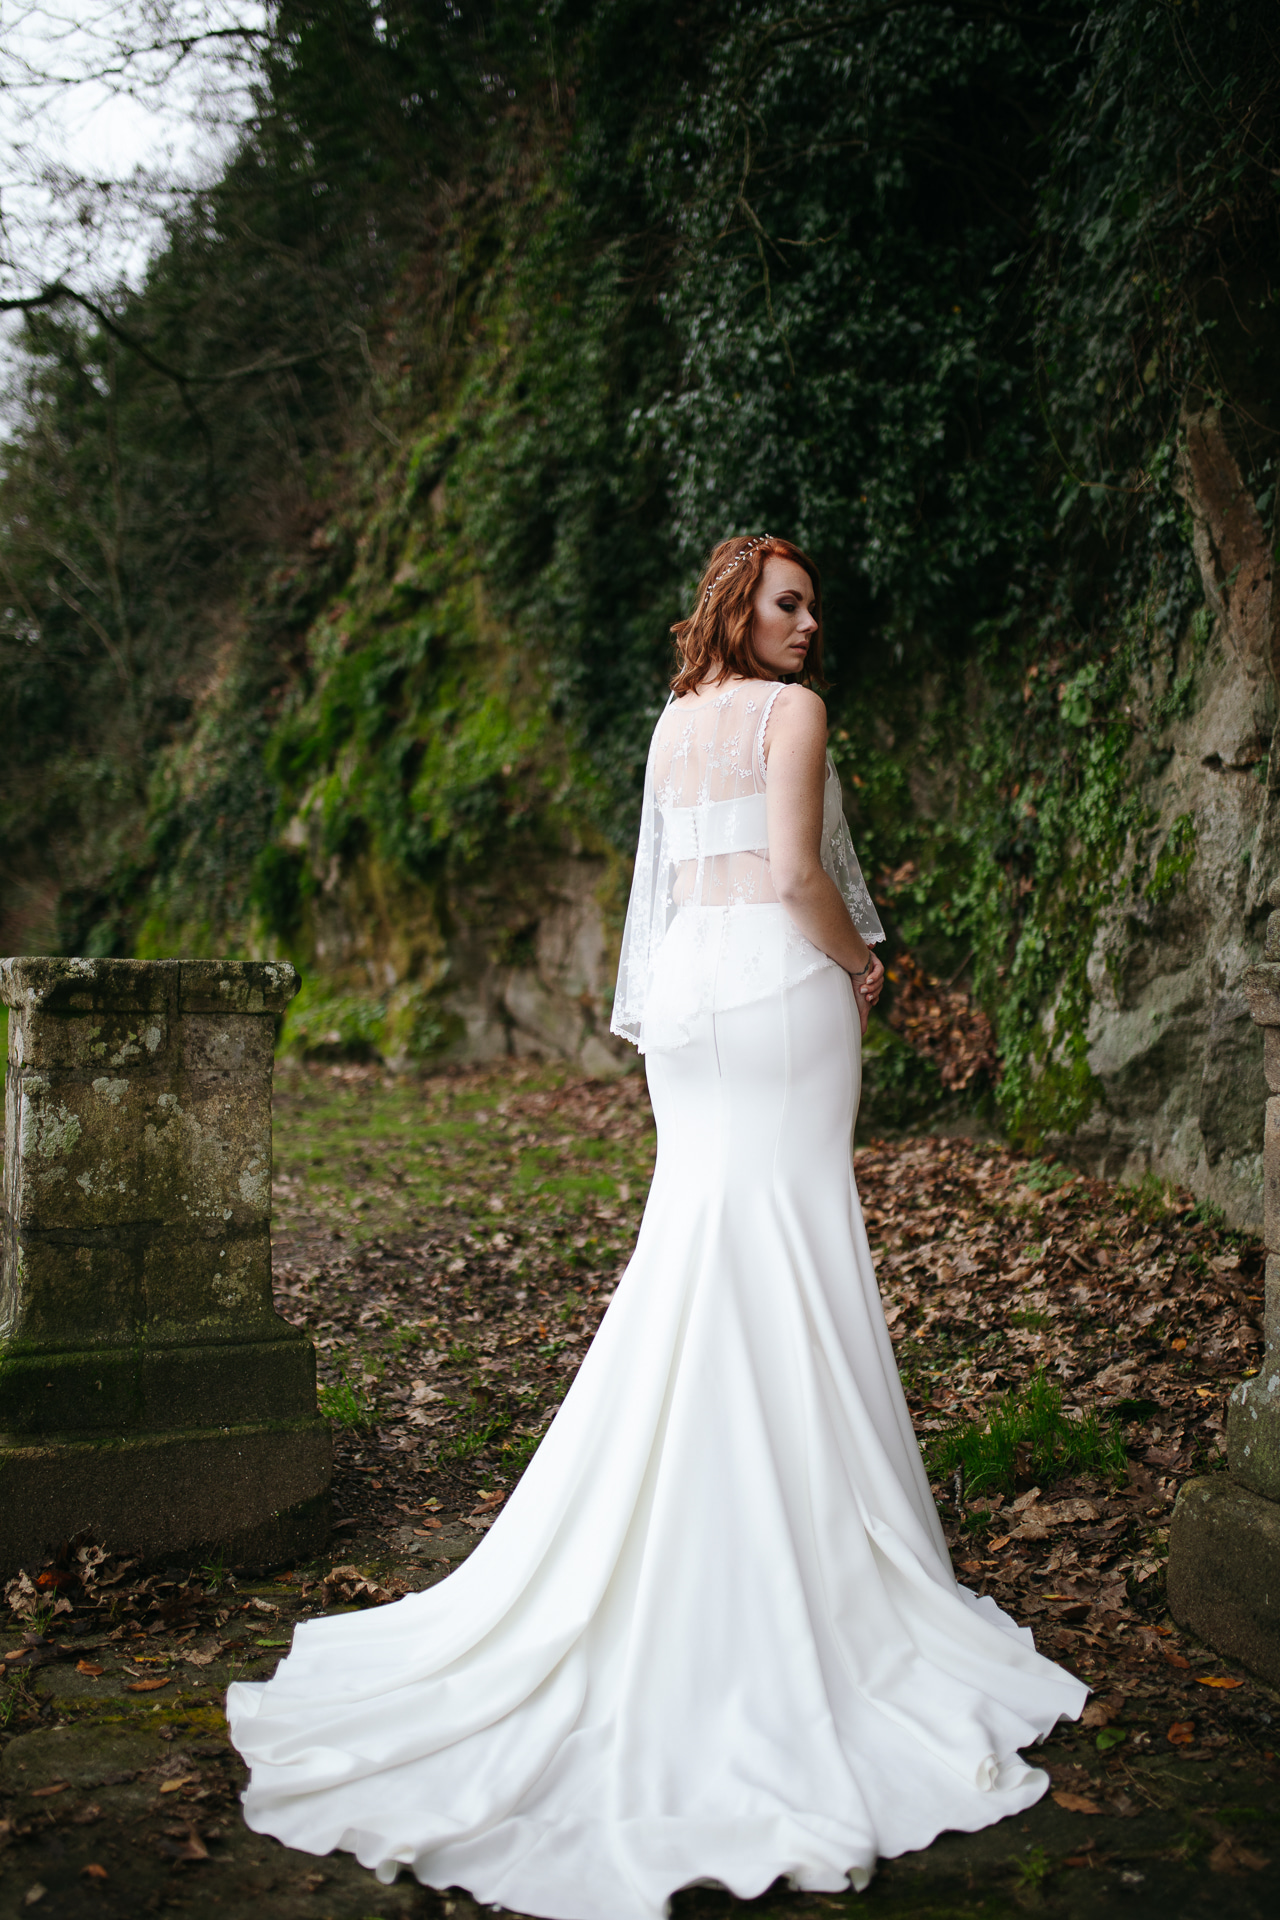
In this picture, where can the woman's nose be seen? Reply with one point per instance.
(806, 623)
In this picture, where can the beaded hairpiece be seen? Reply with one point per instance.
(761, 540)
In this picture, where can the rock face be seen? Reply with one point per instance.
(524, 968)
(1224, 1543)
(150, 1395)
(1171, 1040)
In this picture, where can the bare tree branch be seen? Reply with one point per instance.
(58, 290)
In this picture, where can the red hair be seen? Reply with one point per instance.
(717, 634)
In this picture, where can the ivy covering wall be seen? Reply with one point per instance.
(356, 538)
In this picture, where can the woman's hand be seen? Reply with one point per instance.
(869, 989)
(864, 1011)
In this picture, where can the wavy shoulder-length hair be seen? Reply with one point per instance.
(717, 637)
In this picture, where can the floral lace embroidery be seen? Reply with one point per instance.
(698, 938)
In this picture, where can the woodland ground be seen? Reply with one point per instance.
(451, 1244)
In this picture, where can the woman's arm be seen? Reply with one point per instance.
(796, 755)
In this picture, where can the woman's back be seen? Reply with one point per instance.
(709, 774)
(688, 949)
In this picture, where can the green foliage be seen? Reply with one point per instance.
(485, 1423)
(1031, 1869)
(1026, 1433)
(215, 1572)
(346, 1405)
(899, 1087)
(1173, 862)
(515, 1454)
(330, 1026)
(414, 1028)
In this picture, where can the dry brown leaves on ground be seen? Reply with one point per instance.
(941, 1024)
(1144, 1310)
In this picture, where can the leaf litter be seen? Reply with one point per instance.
(451, 1246)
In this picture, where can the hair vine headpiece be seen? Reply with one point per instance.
(759, 540)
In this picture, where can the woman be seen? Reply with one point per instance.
(714, 1635)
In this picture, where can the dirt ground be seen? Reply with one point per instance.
(451, 1246)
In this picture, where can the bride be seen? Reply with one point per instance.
(714, 1635)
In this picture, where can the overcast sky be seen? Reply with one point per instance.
(104, 119)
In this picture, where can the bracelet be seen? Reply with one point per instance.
(862, 972)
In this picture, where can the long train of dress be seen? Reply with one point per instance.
(714, 1635)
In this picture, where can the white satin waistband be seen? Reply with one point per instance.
(716, 958)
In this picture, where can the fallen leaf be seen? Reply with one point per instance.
(192, 1848)
(185, 1780)
(1230, 1857)
(94, 1671)
(1075, 1802)
(428, 1526)
(87, 1815)
(1182, 1733)
(95, 1872)
(147, 1686)
(314, 1881)
(43, 1793)
(1096, 1714)
(34, 1893)
(1003, 1541)
(1217, 1680)
(1175, 1659)
(194, 1659)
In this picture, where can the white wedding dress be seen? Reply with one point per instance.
(714, 1634)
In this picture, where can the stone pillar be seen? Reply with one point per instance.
(150, 1396)
(1224, 1542)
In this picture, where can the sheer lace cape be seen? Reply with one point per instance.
(705, 929)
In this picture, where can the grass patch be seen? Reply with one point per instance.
(477, 1438)
(1026, 1436)
(516, 1454)
(345, 1405)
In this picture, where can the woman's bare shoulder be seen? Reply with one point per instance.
(799, 711)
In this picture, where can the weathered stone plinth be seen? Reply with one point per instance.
(1224, 1571)
(149, 1393)
(1224, 1543)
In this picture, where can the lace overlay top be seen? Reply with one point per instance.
(705, 929)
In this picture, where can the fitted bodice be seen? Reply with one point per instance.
(736, 826)
(709, 785)
(705, 928)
